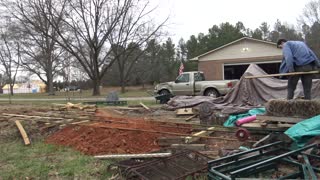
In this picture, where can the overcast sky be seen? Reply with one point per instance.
(190, 17)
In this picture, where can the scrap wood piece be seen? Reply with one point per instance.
(191, 117)
(184, 111)
(144, 106)
(197, 136)
(293, 120)
(73, 106)
(151, 155)
(23, 133)
(118, 112)
(81, 122)
(195, 147)
(167, 141)
(285, 125)
(29, 116)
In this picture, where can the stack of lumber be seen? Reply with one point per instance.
(70, 106)
(65, 114)
(58, 117)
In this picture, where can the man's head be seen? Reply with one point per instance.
(281, 42)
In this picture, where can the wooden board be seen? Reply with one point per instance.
(195, 147)
(281, 74)
(167, 141)
(269, 127)
(293, 120)
(184, 111)
(194, 137)
(191, 117)
(23, 133)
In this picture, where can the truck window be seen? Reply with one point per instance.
(199, 77)
(182, 78)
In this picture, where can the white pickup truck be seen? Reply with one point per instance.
(193, 83)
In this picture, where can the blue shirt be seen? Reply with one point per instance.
(296, 53)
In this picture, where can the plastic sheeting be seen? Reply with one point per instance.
(230, 122)
(303, 131)
(247, 93)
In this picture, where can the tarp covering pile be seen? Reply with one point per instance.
(247, 93)
(303, 131)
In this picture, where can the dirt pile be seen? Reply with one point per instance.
(116, 135)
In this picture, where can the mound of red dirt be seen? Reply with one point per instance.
(116, 135)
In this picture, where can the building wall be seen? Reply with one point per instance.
(214, 70)
(243, 49)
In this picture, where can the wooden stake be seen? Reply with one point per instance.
(23, 132)
(144, 106)
(282, 74)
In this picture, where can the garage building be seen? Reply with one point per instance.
(231, 60)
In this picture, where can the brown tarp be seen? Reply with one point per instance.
(247, 93)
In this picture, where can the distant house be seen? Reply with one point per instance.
(231, 60)
(32, 87)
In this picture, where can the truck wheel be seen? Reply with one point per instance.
(164, 92)
(211, 92)
(166, 96)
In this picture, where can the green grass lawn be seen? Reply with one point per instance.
(44, 161)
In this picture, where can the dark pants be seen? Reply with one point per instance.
(306, 81)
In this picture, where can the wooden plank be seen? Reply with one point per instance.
(279, 119)
(196, 136)
(81, 122)
(195, 147)
(262, 127)
(23, 133)
(27, 116)
(118, 112)
(144, 106)
(281, 74)
(184, 111)
(151, 155)
(191, 117)
(167, 141)
(285, 125)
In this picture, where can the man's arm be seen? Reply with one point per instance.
(288, 57)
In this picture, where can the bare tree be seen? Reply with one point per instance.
(10, 58)
(130, 39)
(42, 55)
(310, 25)
(88, 26)
(311, 13)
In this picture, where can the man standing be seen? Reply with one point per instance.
(298, 57)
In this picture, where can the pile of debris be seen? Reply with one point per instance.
(46, 121)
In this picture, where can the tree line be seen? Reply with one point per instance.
(116, 42)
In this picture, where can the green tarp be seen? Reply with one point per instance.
(303, 131)
(230, 122)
